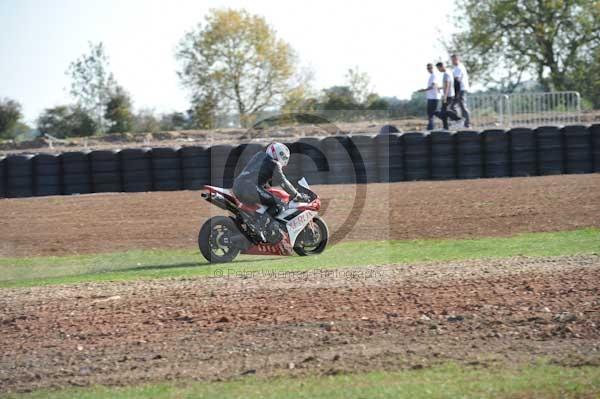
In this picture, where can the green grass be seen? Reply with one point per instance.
(146, 264)
(446, 381)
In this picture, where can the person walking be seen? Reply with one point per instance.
(447, 96)
(461, 87)
(433, 96)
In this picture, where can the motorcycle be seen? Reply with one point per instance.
(297, 229)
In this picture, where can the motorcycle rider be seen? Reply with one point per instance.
(262, 169)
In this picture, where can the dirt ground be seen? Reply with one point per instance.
(408, 210)
(477, 313)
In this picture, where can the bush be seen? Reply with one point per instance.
(66, 121)
(10, 113)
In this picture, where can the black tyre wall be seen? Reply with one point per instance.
(443, 155)
(416, 156)
(388, 129)
(390, 157)
(339, 157)
(47, 172)
(195, 167)
(76, 178)
(166, 169)
(496, 153)
(106, 171)
(549, 144)
(365, 152)
(469, 155)
(577, 149)
(136, 169)
(595, 135)
(522, 152)
(219, 156)
(19, 176)
(314, 164)
(2, 177)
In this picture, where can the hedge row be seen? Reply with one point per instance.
(439, 155)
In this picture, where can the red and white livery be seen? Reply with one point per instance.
(300, 229)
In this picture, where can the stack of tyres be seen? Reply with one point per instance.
(136, 170)
(388, 129)
(496, 153)
(416, 156)
(364, 156)
(46, 169)
(166, 169)
(595, 134)
(549, 150)
(76, 175)
(390, 157)
(314, 164)
(195, 167)
(19, 176)
(221, 158)
(106, 171)
(2, 177)
(522, 152)
(468, 150)
(294, 167)
(577, 149)
(443, 155)
(339, 156)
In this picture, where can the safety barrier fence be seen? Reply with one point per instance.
(439, 155)
(528, 109)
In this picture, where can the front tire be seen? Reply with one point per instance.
(319, 239)
(214, 240)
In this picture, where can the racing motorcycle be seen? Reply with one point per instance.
(297, 229)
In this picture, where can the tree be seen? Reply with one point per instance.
(118, 111)
(301, 97)
(237, 59)
(66, 121)
(146, 121)
(544, 38)
(173, 121)
(10, 114)
(359, 83)
(202, 114)
(339, 98)
(91, 82)
(586, 78)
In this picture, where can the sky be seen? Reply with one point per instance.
(390, 40)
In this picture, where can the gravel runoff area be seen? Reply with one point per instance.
(347, 320)
(408, 210)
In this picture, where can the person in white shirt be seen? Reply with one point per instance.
(461, 87)
(433, 96)
(447, 96)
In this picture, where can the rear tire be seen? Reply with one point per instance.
(319, 247)
(214, 240)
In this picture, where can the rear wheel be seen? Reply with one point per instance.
(215, 240)
(313, 239)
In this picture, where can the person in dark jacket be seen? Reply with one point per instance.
(265, 168)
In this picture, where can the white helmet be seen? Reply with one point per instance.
(279, 152)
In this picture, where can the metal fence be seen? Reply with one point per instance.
(524, 109)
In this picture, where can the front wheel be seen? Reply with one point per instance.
(215, 240)
(313, 239)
